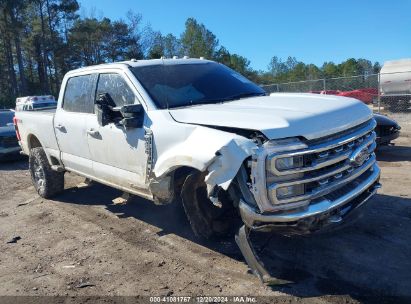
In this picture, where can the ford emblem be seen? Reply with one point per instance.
(358, 157)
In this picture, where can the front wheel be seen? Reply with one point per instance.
(207, 220)
(46, 181)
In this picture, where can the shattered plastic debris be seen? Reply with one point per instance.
(84, 283)
(14, 240)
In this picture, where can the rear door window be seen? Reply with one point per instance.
(117, 87)
(79, 94)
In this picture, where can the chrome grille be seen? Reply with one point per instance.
(329, 153)
(328, 165)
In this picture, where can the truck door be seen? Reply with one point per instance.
(118, 154)
(70, 123)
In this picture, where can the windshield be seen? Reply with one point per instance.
(6, 118)
(179, 85)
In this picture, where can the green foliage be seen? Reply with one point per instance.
(293, 71)
(234, 61)
(197, 41)
(96, 41)
(40, 40)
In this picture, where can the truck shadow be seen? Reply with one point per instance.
(368, 259)
(394, 153)
(17, 163)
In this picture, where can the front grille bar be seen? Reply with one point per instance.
(323, 150)
(327, 167)
(329, 187)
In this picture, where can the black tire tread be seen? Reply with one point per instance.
(54, 181)
(203, 223)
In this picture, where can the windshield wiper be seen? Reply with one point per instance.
(229, 98)
(243, 95)
(220, 100)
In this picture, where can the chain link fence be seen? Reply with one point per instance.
(385, 93)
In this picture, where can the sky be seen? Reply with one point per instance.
(313, 31)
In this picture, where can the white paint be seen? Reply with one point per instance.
(181, 137)
(281, 115)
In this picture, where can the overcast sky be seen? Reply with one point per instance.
(314, 31)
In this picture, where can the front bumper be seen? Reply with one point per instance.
(386, 139)
(318, 214)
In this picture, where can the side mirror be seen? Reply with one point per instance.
(133, 115)
(104, 105)
(129, 116)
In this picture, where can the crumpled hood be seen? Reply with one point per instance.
(281, 115)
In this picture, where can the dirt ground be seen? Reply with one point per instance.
(83, 244)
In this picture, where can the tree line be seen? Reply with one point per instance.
(41, 40)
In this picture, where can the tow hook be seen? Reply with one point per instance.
(242, 238)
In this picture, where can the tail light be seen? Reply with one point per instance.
(16, 127)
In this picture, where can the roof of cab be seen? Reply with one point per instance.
(143, 62)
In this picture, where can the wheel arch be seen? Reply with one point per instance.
(34, 142)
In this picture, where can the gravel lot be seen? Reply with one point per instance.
(82, 243)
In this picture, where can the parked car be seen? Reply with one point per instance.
(326, 92)
(34, 103)
(197, 130)
(387, 130)
(366, 95)
(9, 146)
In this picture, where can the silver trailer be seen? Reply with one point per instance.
(395, 84)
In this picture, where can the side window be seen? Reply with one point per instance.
(117, 87)
(79, 94)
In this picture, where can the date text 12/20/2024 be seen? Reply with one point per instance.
(203, 299)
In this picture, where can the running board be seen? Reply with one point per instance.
(57, 168)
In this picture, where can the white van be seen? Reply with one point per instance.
(32, 103)
(395, 84)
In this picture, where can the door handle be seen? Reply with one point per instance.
(92, 132)
(60, 127)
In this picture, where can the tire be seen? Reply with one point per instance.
(46, 181)
(206, 220)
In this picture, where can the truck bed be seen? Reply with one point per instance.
(37, 125)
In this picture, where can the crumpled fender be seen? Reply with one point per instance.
(220, 153)
(225, 166)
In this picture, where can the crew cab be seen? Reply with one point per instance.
(195, 130)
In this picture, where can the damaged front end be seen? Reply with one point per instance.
(289, 186)
(300, 187)
(303, 186)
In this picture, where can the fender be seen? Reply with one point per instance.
(219, 153)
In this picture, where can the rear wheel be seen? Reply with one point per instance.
(46, 181)
(207, 220)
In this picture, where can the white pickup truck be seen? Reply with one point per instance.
(194, 129)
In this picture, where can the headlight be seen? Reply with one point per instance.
(278, 162)
(287, 163)
(276, 195)
(290, 191)
(275, 164)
